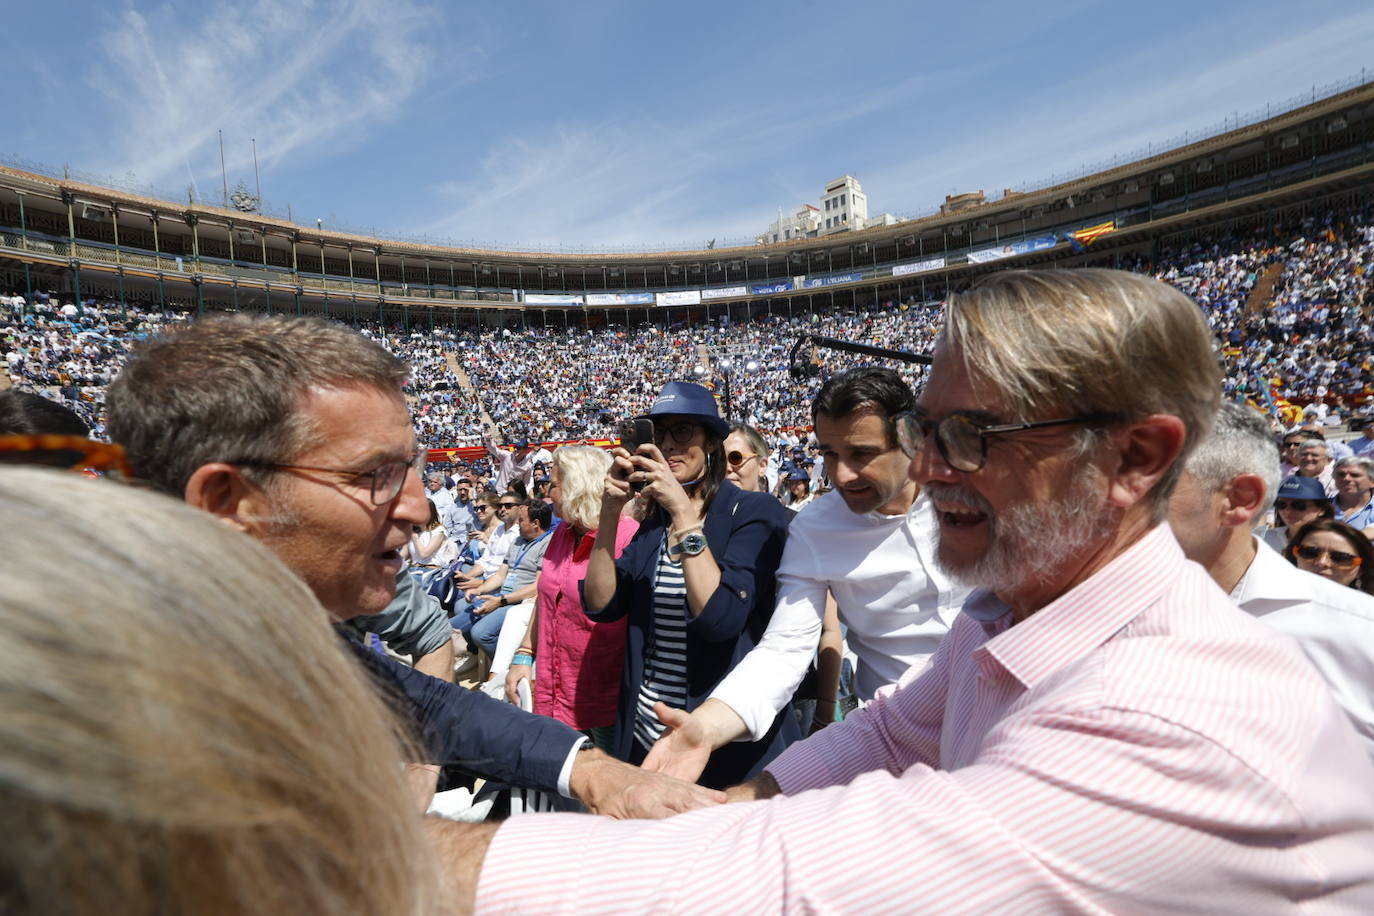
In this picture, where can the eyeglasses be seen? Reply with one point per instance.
(481, 508)
(1297, 505)
(961, 440)
(1288, 445)
(681, 433)
(385, 482)
(508, 505)
(737, 459)
(1339, 558)
(59, 451)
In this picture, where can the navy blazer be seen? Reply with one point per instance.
(745, 533)
(468, 729)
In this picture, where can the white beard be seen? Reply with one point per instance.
(1028, 542)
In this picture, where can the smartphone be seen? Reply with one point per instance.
(633, 434)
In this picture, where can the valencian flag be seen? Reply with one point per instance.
(1085, 237)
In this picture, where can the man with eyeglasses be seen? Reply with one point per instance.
(1227, 486)
(296, 432)
(1101, 731)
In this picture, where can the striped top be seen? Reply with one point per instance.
(1138, 745)
(665, 667)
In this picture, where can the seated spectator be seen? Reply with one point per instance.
(481, 619)
(1335, 551)
(429, 544)
(1299, 500)
(746, 455)
(1314, 460)
(189, 736)
(1354, 479)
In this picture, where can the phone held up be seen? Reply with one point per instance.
(633, 434)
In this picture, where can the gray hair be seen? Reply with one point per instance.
(1240, 443)
(179, 724)
(1358, 461)
(228, 388)
(1315, 443)
(1103, 343)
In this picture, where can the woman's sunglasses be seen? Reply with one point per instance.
(1297, 505)
(1339, 558)
(736, 459)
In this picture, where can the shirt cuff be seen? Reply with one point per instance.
(565, 774)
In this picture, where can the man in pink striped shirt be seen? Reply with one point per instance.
(1103, 730)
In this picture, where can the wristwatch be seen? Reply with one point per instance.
(690, 545)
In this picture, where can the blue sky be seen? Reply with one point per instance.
(650, 124)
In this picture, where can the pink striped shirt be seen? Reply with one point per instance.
(1138, 745)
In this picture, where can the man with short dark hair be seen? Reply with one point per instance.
(295, 431)
(513, 582)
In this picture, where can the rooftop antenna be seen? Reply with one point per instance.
(224, 176)
(257, 179)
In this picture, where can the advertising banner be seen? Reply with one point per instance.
(916, 267)
(681, 297)
(777, 286)
(725, 292)
(833, 280)
(620, 298)
(552, 299)
(1011, 249)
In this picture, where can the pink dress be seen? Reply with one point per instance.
(577, 672)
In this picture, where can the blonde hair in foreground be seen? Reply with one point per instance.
(581, 479)
(180, 729)
(1089, 341)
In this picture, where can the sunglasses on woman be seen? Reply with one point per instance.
(736, 459)
(1339, 558)
(1297, 505)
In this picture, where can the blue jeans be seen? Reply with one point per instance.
(482, 629)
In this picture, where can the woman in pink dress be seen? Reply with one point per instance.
(579, 661)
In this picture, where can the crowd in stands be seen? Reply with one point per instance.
(1309, 342)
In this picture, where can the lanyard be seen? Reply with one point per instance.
(530, 545)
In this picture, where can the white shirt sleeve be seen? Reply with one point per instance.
(565, 772)
(765, 680)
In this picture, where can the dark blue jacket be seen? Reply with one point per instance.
(468, 729)
(745, 533)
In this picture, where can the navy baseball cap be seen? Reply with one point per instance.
(685, 399)
(1301, 488)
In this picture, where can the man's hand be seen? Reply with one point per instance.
(616, 789)
(684, 749)
(486, 607)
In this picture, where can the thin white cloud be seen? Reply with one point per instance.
(294, 75)
(1159, 95)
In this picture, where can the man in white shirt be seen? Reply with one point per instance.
(1229, 483)
(870, 543)
(511, 466)
(442, 499)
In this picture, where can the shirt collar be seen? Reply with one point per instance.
(1271, 579)
(1086, 616)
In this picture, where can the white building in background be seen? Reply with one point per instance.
(805, 223)
(844, 206)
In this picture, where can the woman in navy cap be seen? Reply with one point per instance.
(696, 582)
(1299, 500)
